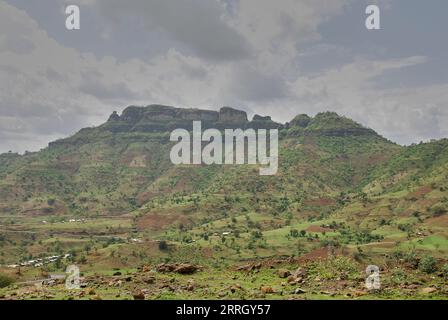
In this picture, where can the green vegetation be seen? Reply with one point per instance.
(5, 280)
(428, 264)
(344, 198)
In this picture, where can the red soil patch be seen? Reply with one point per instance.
(158, 222)
(441, 221)
(420, 192)
(144, 197)
(207, 252)
(321, 253)
(318, 229)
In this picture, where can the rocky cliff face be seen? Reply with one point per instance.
(166, 118)
(160, 118)
(230, 115)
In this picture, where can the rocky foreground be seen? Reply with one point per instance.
(275, 279)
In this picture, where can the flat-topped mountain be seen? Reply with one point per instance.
(161, 118)
(166, 118)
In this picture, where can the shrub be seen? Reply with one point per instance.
(438, 210)
(337, 267)
(428, 264)
(5, 280)
(445, 270)
(411, 259)
(294, 233)
(164, 246)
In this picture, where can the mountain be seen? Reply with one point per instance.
(127, 158)
(110, 195)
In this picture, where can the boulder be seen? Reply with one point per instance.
(182, 268)
(138, 295)
(186, 268)
(283, 273)
(267, 289)
(230, 115)
(428, 290)
(299, 291)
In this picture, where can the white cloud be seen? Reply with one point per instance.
(245, 53)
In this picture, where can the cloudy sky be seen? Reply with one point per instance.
(277, 58)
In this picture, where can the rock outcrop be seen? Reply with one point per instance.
(301, 120)
(161, 118)
(114, 116)
(166, 118)
(230, 115)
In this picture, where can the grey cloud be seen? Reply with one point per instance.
(249, 84)
(277, 58)
(17, 44)
(53, 75)
(196, 24)
(93, 84)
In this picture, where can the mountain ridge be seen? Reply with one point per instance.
(162, 118)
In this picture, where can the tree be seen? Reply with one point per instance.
(294, 233)
(163, 246)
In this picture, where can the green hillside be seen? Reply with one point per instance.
(343, 198)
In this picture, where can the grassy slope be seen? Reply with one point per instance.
(358, 193)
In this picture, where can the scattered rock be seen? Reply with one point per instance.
(249, 267)
(139, 295)
(299, 291)
(267, 289)
(182, 268)
(191, 285)
(186, 269)
(295, 279)
(358, 293)
(90, 291)
(235, 288)
(428, 290)
(149, 280)
(283, 273)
